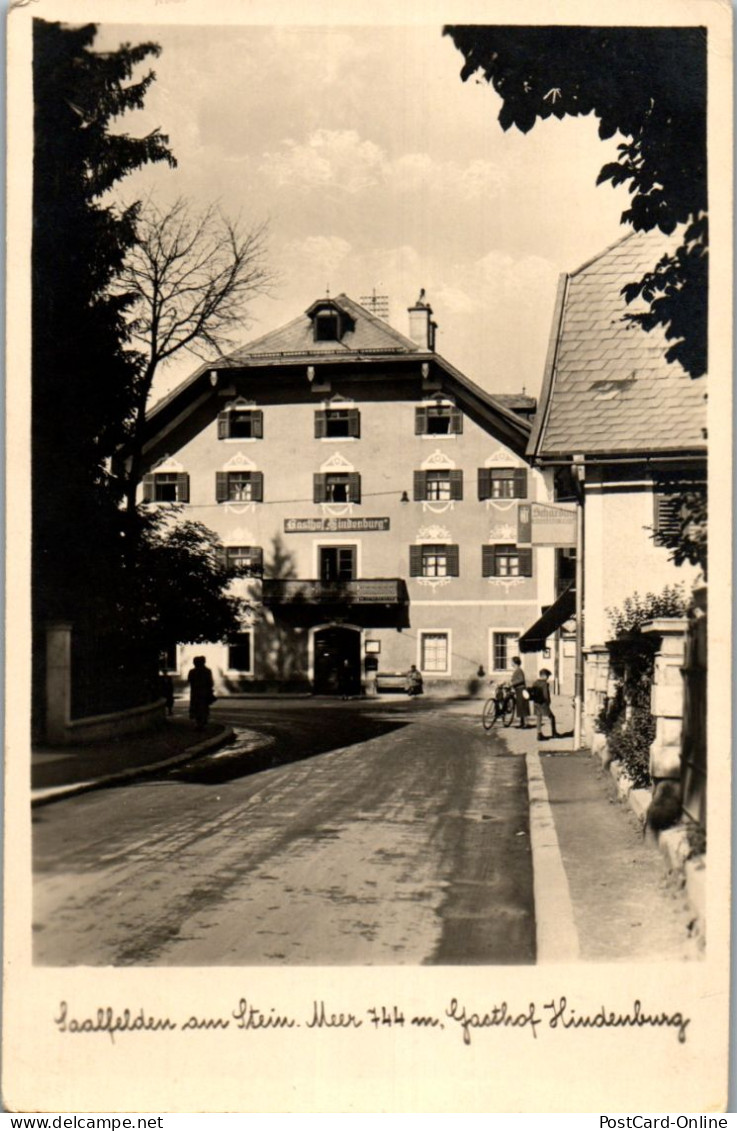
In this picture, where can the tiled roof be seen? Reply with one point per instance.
(369, 334)
(609, 388)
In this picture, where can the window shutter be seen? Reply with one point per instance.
(525, 561)
(354, 487)
(257, 486)
(319, 481)
(221, 556)
(415, 561)
(420, 486)
(456, 421)
(223, 425)
(484, 482)
(257, 424)
(148, 488)
(183, 488)
(456, 485)
(221, 486)
(420, 421)
(520, 483)
(453, 559)
(354, 422)
(487, 561)
(667, 515)
(321, 424)
(258, 560)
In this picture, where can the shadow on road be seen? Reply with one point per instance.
(288, 738)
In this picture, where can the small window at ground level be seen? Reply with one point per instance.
(245, 560)
(240, 653)
(504, 646)
(434, 652)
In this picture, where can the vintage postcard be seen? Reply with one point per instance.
(368, 701)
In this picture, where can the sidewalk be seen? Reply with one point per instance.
(60, 771)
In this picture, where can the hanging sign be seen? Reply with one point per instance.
(546, 524)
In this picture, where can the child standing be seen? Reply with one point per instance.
(540, 696)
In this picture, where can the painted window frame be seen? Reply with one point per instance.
(432, 673)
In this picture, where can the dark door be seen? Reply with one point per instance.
(337, 661)
(337, 563)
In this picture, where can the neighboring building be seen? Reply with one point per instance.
(366, 493)
(633, 422)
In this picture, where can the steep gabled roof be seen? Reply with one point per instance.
(368, 340)
(368, 335)
(608, 387)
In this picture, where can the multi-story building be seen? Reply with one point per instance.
(366, 496)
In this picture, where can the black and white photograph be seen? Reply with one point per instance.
(364, 604)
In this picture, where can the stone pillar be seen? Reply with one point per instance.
(58, 680)
(596, 686)
(667, 696)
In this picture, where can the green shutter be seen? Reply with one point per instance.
(321, 424)
(420, 486)
(484, 483)
(318, 493)
(456, 421)
(456, 485)
(257, 486)
(525, 561)
(183, 488)
(148, 488)
(221, 486)
(520, 483)
(354, 422)
(420, 421)
(257, 424)
(453, 559)
(415, 561)
(487, 561)
(223, 425)
(354, 487)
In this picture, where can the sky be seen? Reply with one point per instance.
(377, 169)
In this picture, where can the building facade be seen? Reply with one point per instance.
(622, 429)
(365, 493)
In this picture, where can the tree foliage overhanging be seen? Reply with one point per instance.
(649, 86)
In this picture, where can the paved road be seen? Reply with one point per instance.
(372, 834)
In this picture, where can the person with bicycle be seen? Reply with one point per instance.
(518, 684)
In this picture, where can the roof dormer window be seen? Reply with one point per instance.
(327, 326)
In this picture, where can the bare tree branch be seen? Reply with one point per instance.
(189, 278)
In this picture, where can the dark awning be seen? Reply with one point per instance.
(552, 617)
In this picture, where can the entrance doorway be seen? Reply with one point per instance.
(337, 661)
(337, 563)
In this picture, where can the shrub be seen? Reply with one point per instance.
(630, 741)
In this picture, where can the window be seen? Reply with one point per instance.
(166, 487)
(502, 482)
(337, 487)
(438, 486)
(434, 653)
(168, 658)
(430, 560)
(239, 486)
(337, 563)
(247, 561)
(438, 420)
(506, 560)
(504, 646)
(327, 326)
(241, 423)
(337, 422)
(667, 517)
(240, 653)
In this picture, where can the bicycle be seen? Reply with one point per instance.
(500, 705)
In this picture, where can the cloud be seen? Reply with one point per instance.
(335, 159)
(323, 253)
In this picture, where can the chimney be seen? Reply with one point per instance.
(421, 326)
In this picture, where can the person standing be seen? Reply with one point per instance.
(518, 682)
(540, 696)
(201, 695)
